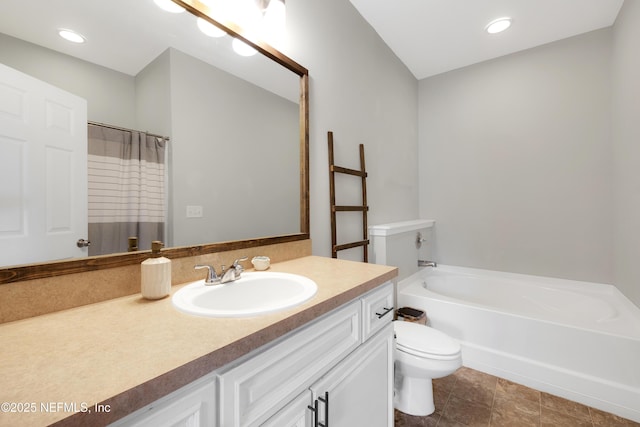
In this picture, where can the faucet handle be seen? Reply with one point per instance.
(239, 268)
(212, 277)
(235, 263)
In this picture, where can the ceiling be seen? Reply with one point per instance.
(434, 36)
(126, 36)
(429, 36)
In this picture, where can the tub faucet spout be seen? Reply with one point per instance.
(425, 263)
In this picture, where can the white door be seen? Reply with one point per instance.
(43, 170)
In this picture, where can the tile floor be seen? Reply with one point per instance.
(472, 398)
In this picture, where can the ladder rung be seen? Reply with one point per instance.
(348, 171)
(350, 245)
(350, 208)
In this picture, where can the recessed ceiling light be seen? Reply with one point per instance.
(169, 6)
(498, 25)
(71, 36)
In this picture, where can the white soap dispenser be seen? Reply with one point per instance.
(156, 274)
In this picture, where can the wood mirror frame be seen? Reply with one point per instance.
(78, 265)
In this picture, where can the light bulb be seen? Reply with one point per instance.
(209, 29)
(169, 6)
(245, 13)
(274, 23)
(243, 49)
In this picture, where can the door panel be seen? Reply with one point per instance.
(43, 170)
(359, 389)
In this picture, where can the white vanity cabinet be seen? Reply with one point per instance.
(193, 405)
(253, 390)
(346, 355)
(359, 391)
(337, 371)
(295, 414)
(377, 310)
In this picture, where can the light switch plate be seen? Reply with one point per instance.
(194, 211)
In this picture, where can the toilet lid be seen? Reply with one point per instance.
(416, 338)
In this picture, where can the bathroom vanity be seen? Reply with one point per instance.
(338, 370)
(130, 362)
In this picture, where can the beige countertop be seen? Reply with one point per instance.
(127, 352)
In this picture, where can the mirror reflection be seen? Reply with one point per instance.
(229, 126)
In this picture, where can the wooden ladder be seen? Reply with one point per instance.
(333, 169)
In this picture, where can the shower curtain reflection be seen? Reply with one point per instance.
(126, 188)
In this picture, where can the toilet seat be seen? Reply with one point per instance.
(423, 341)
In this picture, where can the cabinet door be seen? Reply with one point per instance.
(254, 390)
(191, 406)
(295, 414)
(358, 392)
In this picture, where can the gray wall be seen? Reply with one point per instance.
(530, 162)
(515, 161)
(235, 153)
(361, 91)
(626, 149)
(101, 87)
(547, 186)
(364, 94)
(253, 156)
(153, 96)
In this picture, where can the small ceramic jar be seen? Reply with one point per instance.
(261, 262)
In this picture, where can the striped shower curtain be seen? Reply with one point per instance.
(126, 172)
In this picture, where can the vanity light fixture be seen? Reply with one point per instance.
(245, 13)
(169, 6)
(209, 29)
(273, 27)
(242, 49)
(263, 20)
(498, 25)
(71, 36)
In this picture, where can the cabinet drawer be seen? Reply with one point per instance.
(377, 310)
(252, 391)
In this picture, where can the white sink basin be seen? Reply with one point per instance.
(251, 295)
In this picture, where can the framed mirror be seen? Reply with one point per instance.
(232, 199)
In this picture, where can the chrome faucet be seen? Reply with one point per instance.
(234, 272)
(212, 277)
(425, 263)
(226, 276)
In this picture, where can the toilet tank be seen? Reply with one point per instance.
(395, 244)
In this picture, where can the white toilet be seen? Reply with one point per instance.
(421, 354)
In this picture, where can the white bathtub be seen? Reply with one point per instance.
(573, 339)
